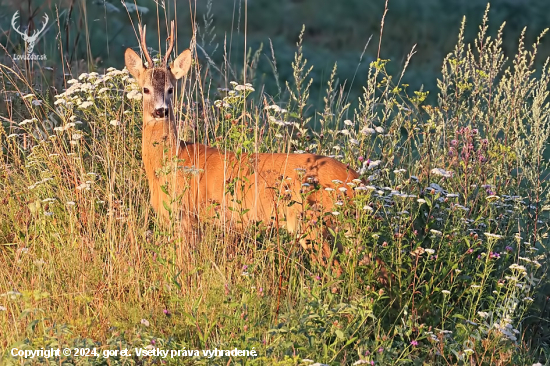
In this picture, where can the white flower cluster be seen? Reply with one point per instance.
(83, 91)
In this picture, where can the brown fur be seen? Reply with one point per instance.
(208, 181)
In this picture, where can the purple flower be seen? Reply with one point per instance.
(153, 342)
(166, 312)
(380, 350)
(360, 158)
(451, 151)
(482, 159)
(479, 256)
(454, 142)
(475, 131)
(509, 248)
(414, 343)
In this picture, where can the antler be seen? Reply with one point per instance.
(170, 45)
(36, 31)
(144, 46)
(13, 19)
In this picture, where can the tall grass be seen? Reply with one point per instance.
(455, 205)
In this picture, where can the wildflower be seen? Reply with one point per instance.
(335, 213)
(528, 299)
(494, 255)
(145, 322)
(76, 136)
(24, 122)
(379, 129)
(482, 314)
(3, 308)
(134, 94)
(37, 102)
(492, 198)
(368, 208)
(245, 87)
(475, 286)
(368, 131)
(380, 350)
(85, 104)
(454, 142)
(27, 96)
(442, 172)
(517, 267)
(354, 141)
(222, 104)
(70, 203)
(342, 189)
(114, 122)
(83, 186)
(445, 292)
(328, 189)
(373, 164)
(421, 200)
(436, 232)
(337, 181)
(414, 343)
(430, 251)
(493, 236)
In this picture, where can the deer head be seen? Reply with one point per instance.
(157, 83)
(30, 40)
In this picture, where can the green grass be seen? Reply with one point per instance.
(456, 206)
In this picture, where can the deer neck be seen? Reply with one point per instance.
(159, 144)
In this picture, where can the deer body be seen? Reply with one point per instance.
(192, 180)
(252, 187)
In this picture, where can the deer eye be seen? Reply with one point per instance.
(146, 90)
(170, 91)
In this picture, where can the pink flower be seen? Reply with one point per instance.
(414, 343)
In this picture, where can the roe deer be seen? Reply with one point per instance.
(191, 179)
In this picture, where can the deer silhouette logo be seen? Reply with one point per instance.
(31, 39)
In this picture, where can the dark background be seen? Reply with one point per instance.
(94, 34)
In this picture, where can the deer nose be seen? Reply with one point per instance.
(160, 112)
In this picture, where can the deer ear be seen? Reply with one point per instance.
(133, 63)
(180, 66)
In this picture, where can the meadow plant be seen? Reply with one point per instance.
(454, 203)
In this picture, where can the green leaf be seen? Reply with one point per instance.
(167, 207)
